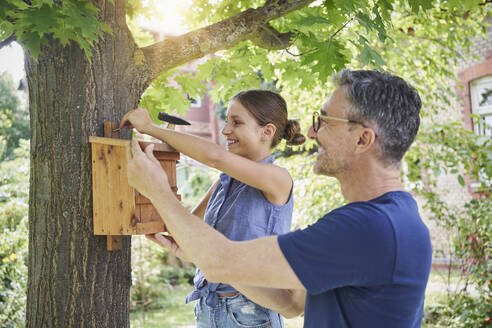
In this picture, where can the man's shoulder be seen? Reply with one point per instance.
(391, 201)
(378, 214)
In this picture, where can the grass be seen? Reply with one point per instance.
(177, 314)
(174, 314)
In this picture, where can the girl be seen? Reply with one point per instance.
(252, 198)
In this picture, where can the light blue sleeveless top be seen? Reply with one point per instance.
(242, 213)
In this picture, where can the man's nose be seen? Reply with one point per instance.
(311, 134)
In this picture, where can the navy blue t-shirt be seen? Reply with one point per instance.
(365, 264)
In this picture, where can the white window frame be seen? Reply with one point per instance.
(477, 88)
(197, 99)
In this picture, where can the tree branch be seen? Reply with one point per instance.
(8, 40)
(269, 38)
(246, 25)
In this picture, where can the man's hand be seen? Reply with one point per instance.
(144, 171)
(138, 118)
(169, 243)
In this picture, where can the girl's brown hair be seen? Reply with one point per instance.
(269, 107)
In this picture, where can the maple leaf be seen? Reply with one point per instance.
(417, 4)
(327, 59)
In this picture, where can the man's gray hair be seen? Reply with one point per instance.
(388, 103)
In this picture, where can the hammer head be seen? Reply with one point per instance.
(172, 119)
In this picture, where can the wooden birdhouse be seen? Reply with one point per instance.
(118, 209)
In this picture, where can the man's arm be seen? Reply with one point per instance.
(258, 262)
(288, 302)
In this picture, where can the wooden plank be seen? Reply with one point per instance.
(118, 208)
(109, 130)
(166, 155)
(141, 199)
(101, 203)
(97, 206)
(127, 206)
(161, 147)
(108, 141)
(166, 150)
(114, 243)
(150, 227)
(119, 203)
(170, 168)
(148, 213)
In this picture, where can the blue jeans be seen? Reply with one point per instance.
(233, 312)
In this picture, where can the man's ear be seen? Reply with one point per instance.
(268, 132)
(367, 138)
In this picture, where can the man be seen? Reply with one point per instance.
(365, 264)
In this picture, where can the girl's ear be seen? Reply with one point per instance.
(268, 132)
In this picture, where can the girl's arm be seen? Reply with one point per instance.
(200, 208)
(201, 244)
(273, 181)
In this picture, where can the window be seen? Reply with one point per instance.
(481, 100)
(195, 101)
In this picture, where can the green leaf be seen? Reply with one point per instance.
(32, 42)
(483, 140)
(417, 4)
(465, 4)
(373, 24)
(385, 8)
(327, 59)
(40, 20)
(305, 21)
(49, 3)
(461, 180)
(369, 56)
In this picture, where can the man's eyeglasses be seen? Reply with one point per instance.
(317, 117)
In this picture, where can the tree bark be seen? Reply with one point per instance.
(73, 281)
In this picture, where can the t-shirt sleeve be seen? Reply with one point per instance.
(347, 247)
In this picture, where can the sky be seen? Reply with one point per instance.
(12, 61)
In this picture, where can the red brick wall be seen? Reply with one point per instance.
(466, 76)
(469, 74)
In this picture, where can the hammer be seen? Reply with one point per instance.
(170, 119)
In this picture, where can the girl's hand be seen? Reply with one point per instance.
(169, 243)
(138, 118)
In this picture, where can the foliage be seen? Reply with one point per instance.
(14, 120)
(418, 40)
(314, 196)
(14, 179)
(156, 271)
(172, 312)
(460, 310)
(449, 148)
(66, 21)
(414, 39)
(193, 183)
(175, 313)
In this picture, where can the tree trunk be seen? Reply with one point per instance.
(73, 280)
